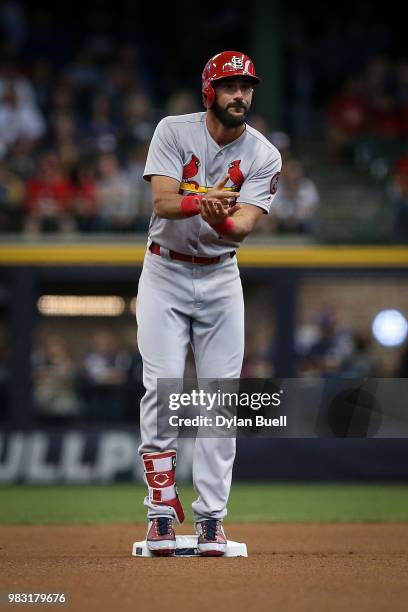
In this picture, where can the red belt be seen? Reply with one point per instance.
(155, 249)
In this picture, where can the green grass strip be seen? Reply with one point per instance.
(23, 504)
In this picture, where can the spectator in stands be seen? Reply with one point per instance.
(62, 98)
(53, 375)
(138, 118)
(294, 209)
(348, 119)
(83, 197)
(133, 388)
(104, 371)
(118, 83)
(384, 121)
(182, 102)
(12, 195)
(63, 140)
(401, 82)
(258, 361)
(360, 363)
(307, 335)
(328, 355)
(100, 130)
(280, 140)
(19, 119)
(258, 122)
(378, 77)
(135, 362)
(399, 199)
(10, 77)
(114, 196)
(105, 363)
(49, 198)
(140, 188)
(83, 72)
(20, 160)
(401, 95)
(129, 54)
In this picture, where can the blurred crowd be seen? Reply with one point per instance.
(323, 349)
(367, 128)
(78, 107)
(81, 169)
(371, 107)
(75, 124)
(73, 158)
(347, 87)
(76, 117)
(100, 380)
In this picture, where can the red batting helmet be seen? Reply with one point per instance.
(222, 66)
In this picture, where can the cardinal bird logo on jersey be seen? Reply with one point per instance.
(191, 169)
(235, 173)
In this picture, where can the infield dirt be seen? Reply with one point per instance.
(291, 567)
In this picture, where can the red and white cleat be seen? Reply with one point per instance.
(161, 539)
(211, 538)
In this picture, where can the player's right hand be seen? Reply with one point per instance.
(214, 212)
(219, 193)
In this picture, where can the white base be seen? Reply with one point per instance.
(186, 546)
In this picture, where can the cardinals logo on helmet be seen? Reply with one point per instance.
(235, 173)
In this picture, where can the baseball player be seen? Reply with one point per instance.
(212, 176)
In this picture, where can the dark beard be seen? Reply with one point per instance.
(227, 120)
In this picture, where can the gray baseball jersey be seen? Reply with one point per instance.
(183, 149)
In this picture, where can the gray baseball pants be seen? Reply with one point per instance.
(179, 303)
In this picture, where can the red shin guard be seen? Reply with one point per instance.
(160, 472)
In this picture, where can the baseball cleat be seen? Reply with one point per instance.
(161, 539)
(211, 538)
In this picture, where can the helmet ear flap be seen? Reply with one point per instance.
(208, 95)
